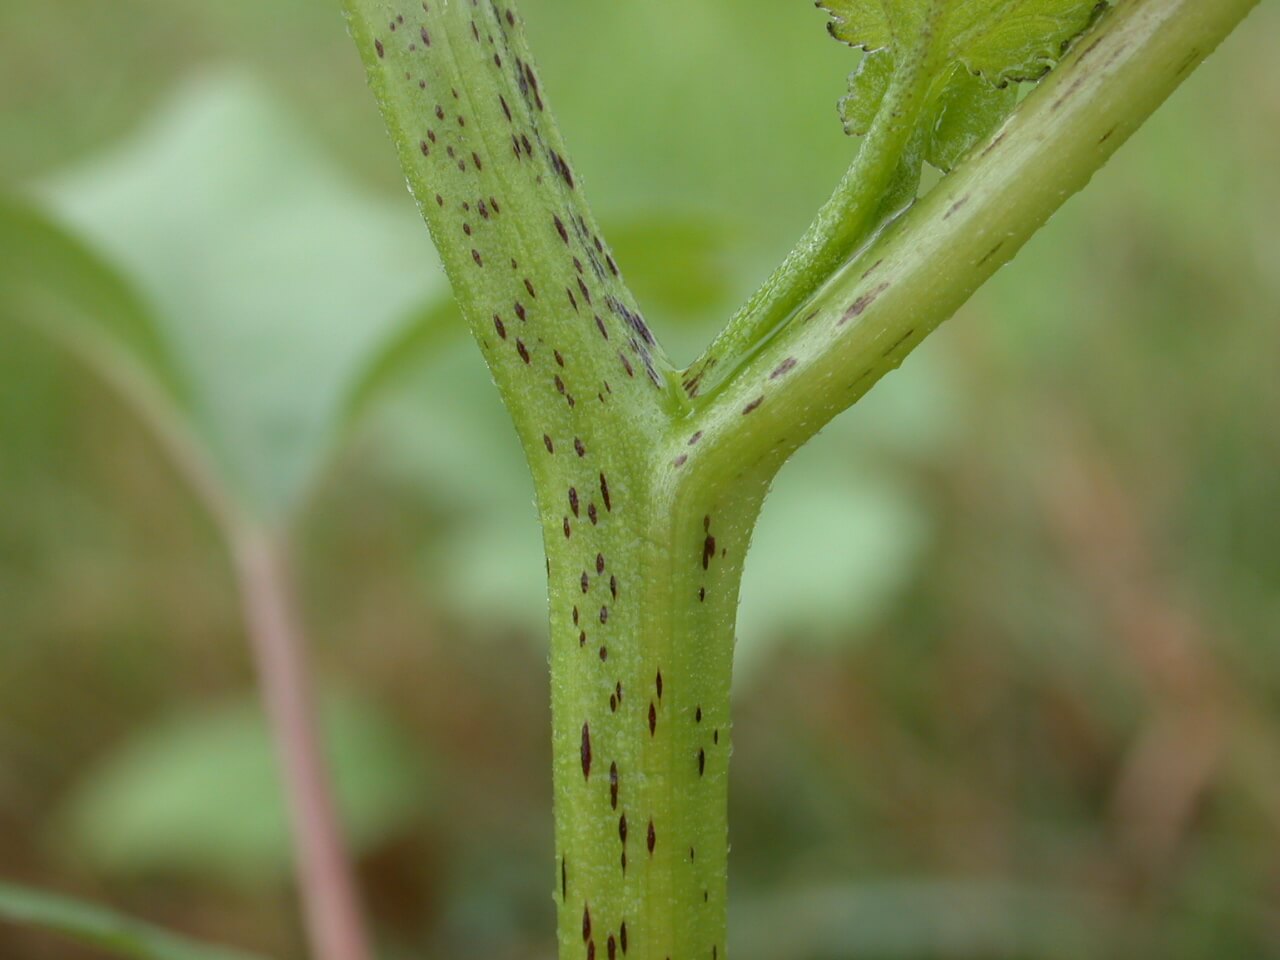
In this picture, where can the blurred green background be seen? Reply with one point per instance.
(1027, 705)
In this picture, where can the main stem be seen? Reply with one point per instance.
(642, 629)
(334, 923)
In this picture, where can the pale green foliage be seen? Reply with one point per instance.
(198, 793)
(265, 286)
(976, 51)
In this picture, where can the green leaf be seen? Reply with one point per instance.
(1002, 40)
(867, 87)
(271, 285)
(198, 793)
(102, 928)
(967, 111)
(977, 50)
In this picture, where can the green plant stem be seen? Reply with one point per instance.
(647, 499)
(641, 727)
(333, 919)
(846, 221)
(876, 309)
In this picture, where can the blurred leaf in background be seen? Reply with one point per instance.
(119, 936)
(271, 282)
(197, 794)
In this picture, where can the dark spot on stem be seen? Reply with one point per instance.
(955, 206)
(858, 306)
(991, 253)
(899, 342)
(1066, 94)
(559, 165)
(586, 751)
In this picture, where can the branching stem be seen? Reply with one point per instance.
(648, 499)
(844, 223)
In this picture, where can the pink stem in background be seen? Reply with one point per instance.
(334, 922)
